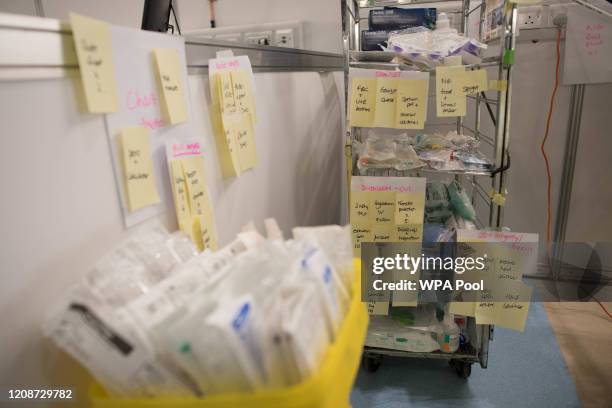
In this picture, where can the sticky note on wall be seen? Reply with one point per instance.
(92, 42)
(194, 211)
(180, 194)
(193, 169)
(243, 93)
(411, 107)
(168, 63)
(363, 101)
(137, 167)
(450, 99)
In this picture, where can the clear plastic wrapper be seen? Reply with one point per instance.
(462, 206)
(386, 151)
(426, 47)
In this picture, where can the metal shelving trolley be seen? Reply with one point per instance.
(487, 119)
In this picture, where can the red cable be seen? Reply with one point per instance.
(550, 111)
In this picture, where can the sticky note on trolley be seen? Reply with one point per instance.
(92, 42)
(363, 102)
(386, 97)
(137, 167)
(450, 99)
(411, 107)
(168, 63)
(474, 82)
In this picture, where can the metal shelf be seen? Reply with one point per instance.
(499, 141)
(468, 354)
(411, 173)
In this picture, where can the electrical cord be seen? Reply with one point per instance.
(178, 28)
(543, 145)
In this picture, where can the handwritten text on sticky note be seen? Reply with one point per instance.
(450, 99)
(92, 42)
(170, 79)
(138, 167)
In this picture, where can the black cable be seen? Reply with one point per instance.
(503, 168)
(178, 28)
(489, 109)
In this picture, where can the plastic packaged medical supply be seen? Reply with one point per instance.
(256, 314)
(460, 201)
(336, 242)
(395, 18)
(448, 334)
(387, 151)
(111, 347)
(371, 40)
(385, 332)
(429, 47)
(314, 266)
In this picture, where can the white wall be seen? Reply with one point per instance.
(321, 18)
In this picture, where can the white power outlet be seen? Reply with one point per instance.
(530, 17)
(259, 38)
(284, 38)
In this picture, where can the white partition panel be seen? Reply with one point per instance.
(60, 210)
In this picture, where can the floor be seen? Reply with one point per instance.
(525, 370)
(584, 334)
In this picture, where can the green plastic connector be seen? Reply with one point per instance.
(509, 57)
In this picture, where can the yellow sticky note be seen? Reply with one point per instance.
(512, 312)
(382, 208)
(226, 92)
(224, 137)
(383, 233)
(135, 153)
(193, 169)
(92, 42)
(409, 208)
(230, 128)
(475, 82)
(450, 100)
(363, 102)
(360, 234)
(170, 79)
(411, 107)
(179, 192)
(360, 209)
(243, 93)
(245, 142)
(409, 233)
(498, 85)
(386, 96)
(463, 308)
(206, 230)
(378, 308)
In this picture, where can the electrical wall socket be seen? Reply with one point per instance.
(259, 38)
(281, 34)
(284, 38)
(531, 17)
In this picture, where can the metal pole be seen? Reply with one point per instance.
(567, 179)
(502, 139)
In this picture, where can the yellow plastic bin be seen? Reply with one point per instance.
(329, 387)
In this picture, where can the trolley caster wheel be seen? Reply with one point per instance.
(371, 364)
(464, 370)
